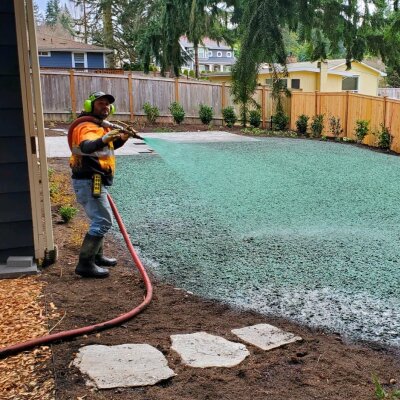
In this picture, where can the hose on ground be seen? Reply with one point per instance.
(59, 336)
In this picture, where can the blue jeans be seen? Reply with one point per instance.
(97, 209)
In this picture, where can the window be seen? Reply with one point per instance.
(44, 54)
(79, 60)
(282, 82)
(295, 83)
(219, 53)
(201, 53)
(210, 53)
(229, 54)
(350, 83)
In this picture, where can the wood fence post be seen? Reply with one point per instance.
(384, 110)
(223, 100)
(317, 105)
(263, 106)
(177, 90)
(347, 113)
(72, 92)
(130, 88)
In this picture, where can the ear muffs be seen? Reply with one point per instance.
(88, 106)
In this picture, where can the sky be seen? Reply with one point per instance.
(42, 6)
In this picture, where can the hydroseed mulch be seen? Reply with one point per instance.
(305, 230)
(322, 366)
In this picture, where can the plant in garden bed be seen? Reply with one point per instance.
(67, 212)
(384, 138)
(177, 112)
(348, 140)
(255, 118)
(229, 115)
(317, 125)
(382, 394)
(280, 119)
(152, 112)
(361, 130)
(253, 131)
(205, 114)
(302, 124)
(335, 127)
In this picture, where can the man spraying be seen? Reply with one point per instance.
(92, 162)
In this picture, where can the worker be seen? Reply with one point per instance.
(93, 166)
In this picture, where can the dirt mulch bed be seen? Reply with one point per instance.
(322, 366)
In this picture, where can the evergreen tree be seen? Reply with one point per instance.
(53, 10)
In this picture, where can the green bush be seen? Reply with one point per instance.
(68, 212)
(302, 124)
(192, 74)
(384, 138)
(177, 112)
(255, 118)
(317, 125)
(151, 112)
(280, 120)
(335, 127)
(205, 114)
(362, 129)
(229, 115)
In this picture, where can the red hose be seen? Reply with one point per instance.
(17, 348)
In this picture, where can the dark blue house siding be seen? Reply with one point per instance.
(63, 59)
(57, 59)
(95, 60)
(16, 229)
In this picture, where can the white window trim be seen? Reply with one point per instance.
(229, 54)
(85, 64)
(44, 53)
(219, 53)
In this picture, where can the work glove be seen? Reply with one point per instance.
(111, 136)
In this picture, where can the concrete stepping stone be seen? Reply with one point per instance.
(124, 365)
(265, 336)
(202, 350)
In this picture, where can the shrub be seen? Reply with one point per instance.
(280, 120)
(205, 114)
(67, 213)
(177, 112)
(302, 124)
(151, 112)
(229, 116)
(384, 138)
(253, 131)
(317, 125)
(362, 129)
(192, 74)
(335, 127)
(255, 118)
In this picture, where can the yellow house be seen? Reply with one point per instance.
(324, 76)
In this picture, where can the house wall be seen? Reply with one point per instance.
(308, 80)
(64, 59)
(16, 228)
(57, 59)
(95, 60)
(334, 83)
(368, 78)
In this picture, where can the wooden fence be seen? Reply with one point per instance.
(64, 93)
(350, 107)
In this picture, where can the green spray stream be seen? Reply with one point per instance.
(301, 229)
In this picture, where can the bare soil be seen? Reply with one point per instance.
(322, 366)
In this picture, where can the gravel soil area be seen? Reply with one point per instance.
(322, 366)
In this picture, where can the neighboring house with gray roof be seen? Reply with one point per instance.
(213, 56)
(62, 52)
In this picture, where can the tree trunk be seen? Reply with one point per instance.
(196, 60)
(108, 32)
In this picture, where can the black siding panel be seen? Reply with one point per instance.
(15, 179)
(15, 207)
(16, 234)
(16, 228)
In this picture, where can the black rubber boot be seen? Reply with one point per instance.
(86, 266)
(104, 261)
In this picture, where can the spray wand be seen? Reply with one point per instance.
(122, 127)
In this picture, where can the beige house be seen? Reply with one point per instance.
(328, 76)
